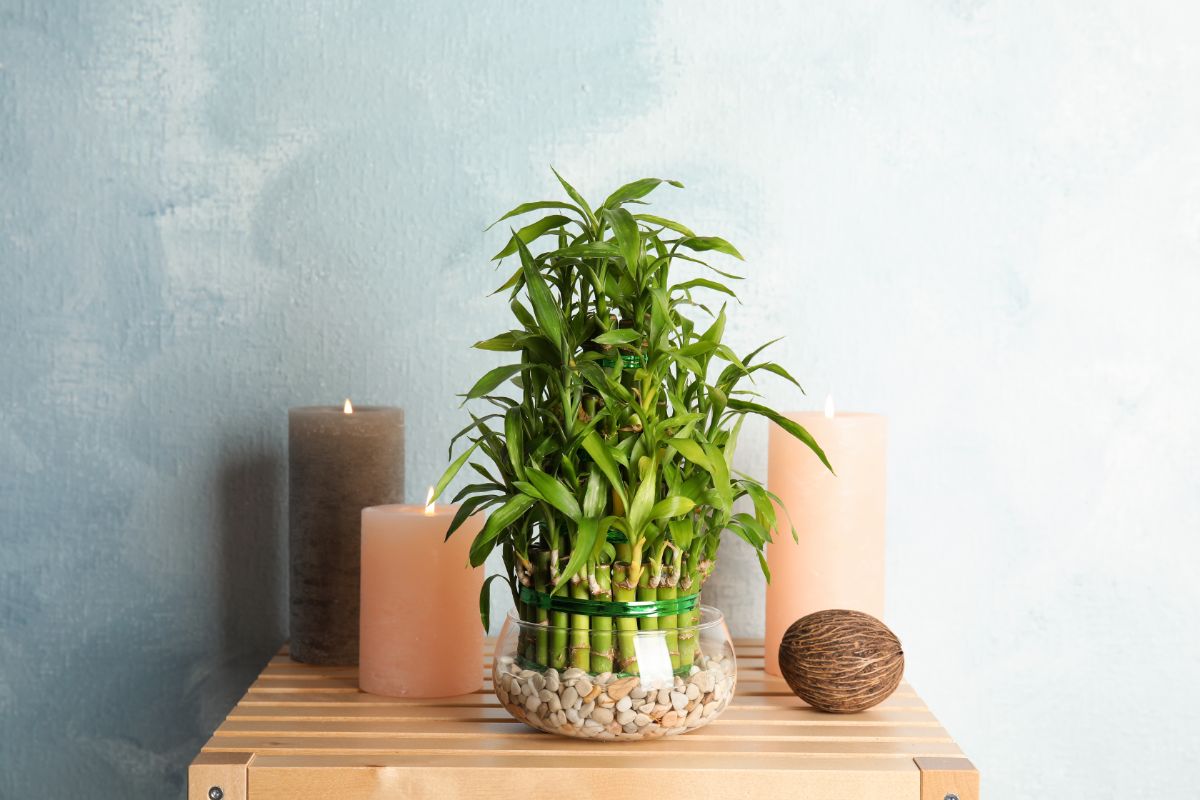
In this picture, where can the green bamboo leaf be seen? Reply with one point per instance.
(514, 440)
(625, 230)
(664, 223)
(720, 474)
(671, 507)
(701, 244)
(493, 378)
(477, 488)
(555, 492)
(506, 515)
(481, 471)
(525, 208)
(636, 190)
(684, 422)
(726, 353)
(586, 535)
(700, 347)
(469, 508)
(548, 314)
(703, 283)
(717, 330)
(779, 504)
(504, 343)
(530, 232)
(618, 336)
(763, 509)
(512, 281)
(643, 502)
(731, 443)
(760, 348)
(681, 532)
(755, 533)
(593, 495)
(588, 250)
(598, 450)
(792, 427)
(692, 451)
(771, 366)
(485, 601)
(452, 470)
(577, 197)
(762, 563)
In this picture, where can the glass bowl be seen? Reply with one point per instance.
(657, 681)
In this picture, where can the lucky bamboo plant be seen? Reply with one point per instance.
(608, 474)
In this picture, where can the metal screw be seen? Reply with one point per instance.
(950, 796)
(215, 793)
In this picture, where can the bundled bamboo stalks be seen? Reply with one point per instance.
(586, 638)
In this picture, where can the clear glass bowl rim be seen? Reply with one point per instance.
(710, 617)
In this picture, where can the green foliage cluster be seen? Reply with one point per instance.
(612, 465)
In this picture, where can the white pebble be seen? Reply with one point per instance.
(624, 704)
(679, 700)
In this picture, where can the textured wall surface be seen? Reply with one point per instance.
(982, 219)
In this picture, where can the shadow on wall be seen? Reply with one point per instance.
(249, 575)
(252, 577)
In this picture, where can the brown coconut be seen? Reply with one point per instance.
(841, 661)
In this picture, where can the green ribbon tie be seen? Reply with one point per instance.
(603, 608)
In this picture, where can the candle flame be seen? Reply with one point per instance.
(347, 408)
(829, 406)
(430, 506)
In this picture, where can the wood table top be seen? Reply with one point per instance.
(304, 731)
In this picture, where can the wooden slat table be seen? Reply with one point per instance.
(306, 732)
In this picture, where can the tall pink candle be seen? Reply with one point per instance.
(839, 560)
(419, 628)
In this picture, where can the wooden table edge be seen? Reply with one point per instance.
(947, 778)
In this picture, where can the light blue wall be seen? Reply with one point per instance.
(982, 219)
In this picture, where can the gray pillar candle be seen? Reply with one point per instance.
(339, 462)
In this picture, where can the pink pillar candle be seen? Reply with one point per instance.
(419, 628)
(839, 560)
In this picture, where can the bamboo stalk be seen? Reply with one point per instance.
(687, 628)
(581, 650)
(559, 622)
(647, 591)
(625, 591)
(668, 590)
(541, 578)
(602, 638)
